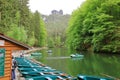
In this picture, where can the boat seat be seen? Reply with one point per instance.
(80, 78)
(41, 73)
(48, 78)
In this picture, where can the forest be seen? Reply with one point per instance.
(18, 22)
(35, 29)
(95, 26)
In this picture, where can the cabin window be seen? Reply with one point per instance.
(2, 61)
(2, 42)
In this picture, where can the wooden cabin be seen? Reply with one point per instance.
(7, 45)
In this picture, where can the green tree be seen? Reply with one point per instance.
(17, 33)
(18, 22)
(50, 42)
(43, 33)
(95, 25)
(24, 13)
(39, 30)
(6, 14)
(31, 39)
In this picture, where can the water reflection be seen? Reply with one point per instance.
(91, 64)
(57, 57)
(77, 58)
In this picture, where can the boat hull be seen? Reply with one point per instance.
(86, 77)
(76, 56)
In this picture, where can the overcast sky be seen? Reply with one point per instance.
(46, 6)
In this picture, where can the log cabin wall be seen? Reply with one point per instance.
(9, 47)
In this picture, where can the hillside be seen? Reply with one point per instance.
(56, 24)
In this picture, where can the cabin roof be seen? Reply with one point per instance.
(14, 41)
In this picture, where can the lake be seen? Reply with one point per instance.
(91, 64)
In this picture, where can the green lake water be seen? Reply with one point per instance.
(91, 64)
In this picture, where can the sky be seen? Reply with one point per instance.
(46, 6)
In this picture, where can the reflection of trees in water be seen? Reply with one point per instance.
(91, 64)
(95, 64)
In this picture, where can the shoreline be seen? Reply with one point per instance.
(34, 49)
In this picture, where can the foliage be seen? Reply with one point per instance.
(58, 41)
(31, 39)
(39, 30)
(56, 25)
(95, 25)
(18, 22)
(43, 33)
(50, 42)
(17, 33)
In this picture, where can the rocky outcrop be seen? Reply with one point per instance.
(57, 12)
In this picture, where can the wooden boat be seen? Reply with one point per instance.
(32, 71)
(46, 77)
(49, 51)
(76, 56)
(36, 54)
(86, 77)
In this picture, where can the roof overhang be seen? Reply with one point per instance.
(15, 41)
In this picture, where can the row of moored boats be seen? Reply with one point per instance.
(38, 71)
(34, 71)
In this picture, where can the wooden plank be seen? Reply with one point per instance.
(5, 78)
(7, 72)
(14, 48)
(8, 50)
(7, 62)
(7, 65)
(7, 69)
(2, 47)
(8, 58)
(9, 46)
(8, 55)
(9, 43)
